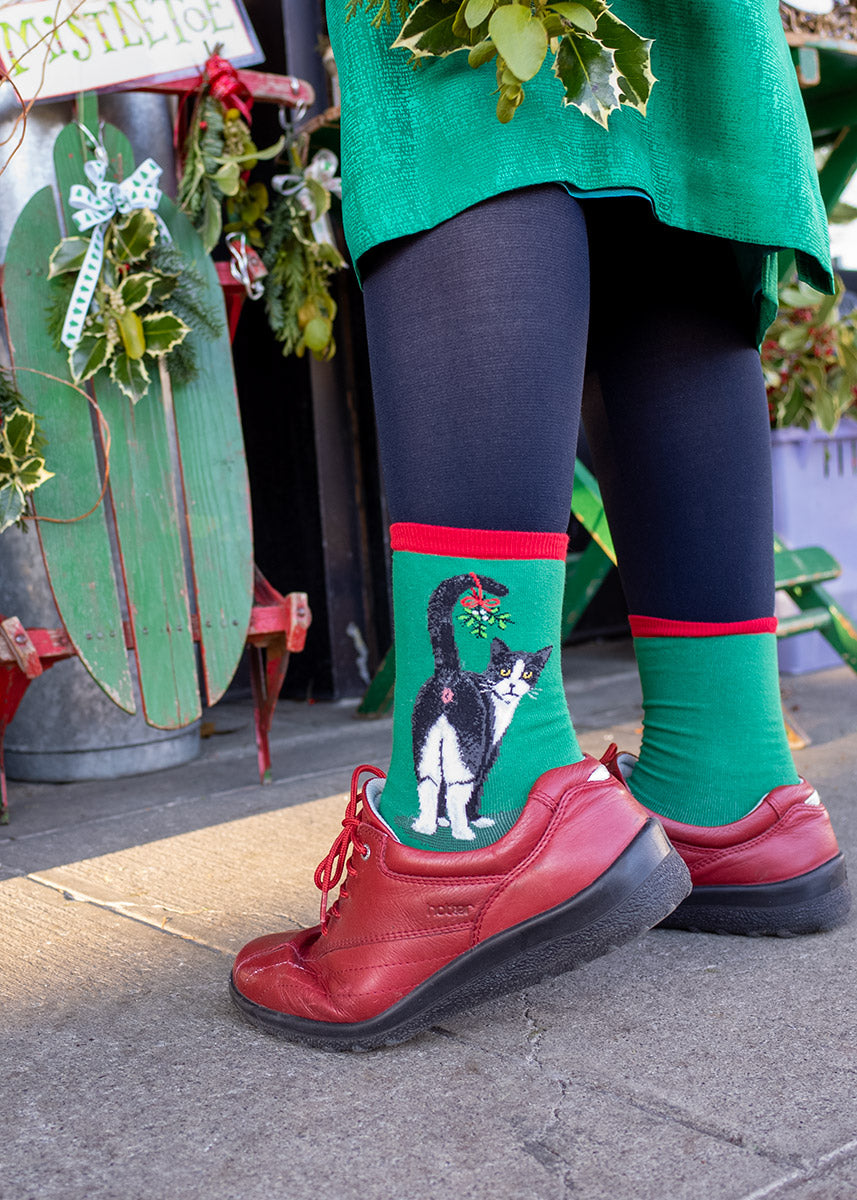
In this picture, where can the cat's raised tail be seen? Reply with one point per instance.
(440, 608)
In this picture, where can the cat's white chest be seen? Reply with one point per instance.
(505, 698)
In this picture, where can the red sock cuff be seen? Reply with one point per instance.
(476, 543)
(647, 627)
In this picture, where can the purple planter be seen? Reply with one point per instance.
(815, 504)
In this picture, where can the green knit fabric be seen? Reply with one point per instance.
(714, 742)
(724, 149)
(540, 735)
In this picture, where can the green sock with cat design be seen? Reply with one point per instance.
(480, 710)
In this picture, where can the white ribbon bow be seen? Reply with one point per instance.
(94, 210)
(321, 170)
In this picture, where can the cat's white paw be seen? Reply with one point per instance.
(483, 822)
(444, 821)
(426, 827)
(464, 835)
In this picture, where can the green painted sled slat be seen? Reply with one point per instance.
(78, 555)
(144, 496)
(217, 489)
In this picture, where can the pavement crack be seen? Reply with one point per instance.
(122, 909)
(816, 1169)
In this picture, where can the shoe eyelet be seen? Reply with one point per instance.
(366, 853)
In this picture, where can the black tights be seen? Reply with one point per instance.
(481, 332)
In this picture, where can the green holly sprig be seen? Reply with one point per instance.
(218, 154)
(22, 454)
(602, 63)
(128, 328)
(298, 302)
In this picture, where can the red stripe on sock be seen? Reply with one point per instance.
(476, 543)
(642, 627)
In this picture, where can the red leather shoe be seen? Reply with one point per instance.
(776, 871)
(415, 934)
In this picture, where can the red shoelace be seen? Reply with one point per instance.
(329, 871)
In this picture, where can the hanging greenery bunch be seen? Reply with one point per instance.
(601, 62)
(809, 359)
(218, 155)
(301, 258)
(22, 454)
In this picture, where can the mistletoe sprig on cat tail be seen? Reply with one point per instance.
(481, 611)
(601, 62)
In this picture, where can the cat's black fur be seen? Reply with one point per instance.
(468, 699)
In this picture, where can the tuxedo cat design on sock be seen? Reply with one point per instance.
(461, 717)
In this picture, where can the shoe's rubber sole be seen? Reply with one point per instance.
(645, 883)
(810, 903)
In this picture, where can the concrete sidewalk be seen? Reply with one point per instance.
(683, 1065)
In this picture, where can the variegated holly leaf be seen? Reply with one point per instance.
(12, 504)
(68, 256)
(427, 31)
(136, 289)
(135, 237)
(633, 56)
(32, 474)
(17, 433)
(129, 375)
(88, 356)
(588, 72)
(22, 466)
(162, 331)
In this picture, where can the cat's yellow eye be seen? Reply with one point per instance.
(505, 670)
(528, 674)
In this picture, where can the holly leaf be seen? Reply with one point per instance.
(130, 376)
(135, 237)
(633, 58)
(88, 356)
(68, 256)
(12, 503)
(163, 330)
(32, 474)
(588, 72)
(428, 32)
(18, 431)
(136, 289)
(520, 38)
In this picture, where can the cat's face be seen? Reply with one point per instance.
(510, 674)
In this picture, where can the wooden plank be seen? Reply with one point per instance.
(143, 491)
(78, 555)
(804, 622)
(587, 506)
(584, 575)
(794, 568)
(216, 485)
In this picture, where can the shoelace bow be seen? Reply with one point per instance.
(338, 860)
